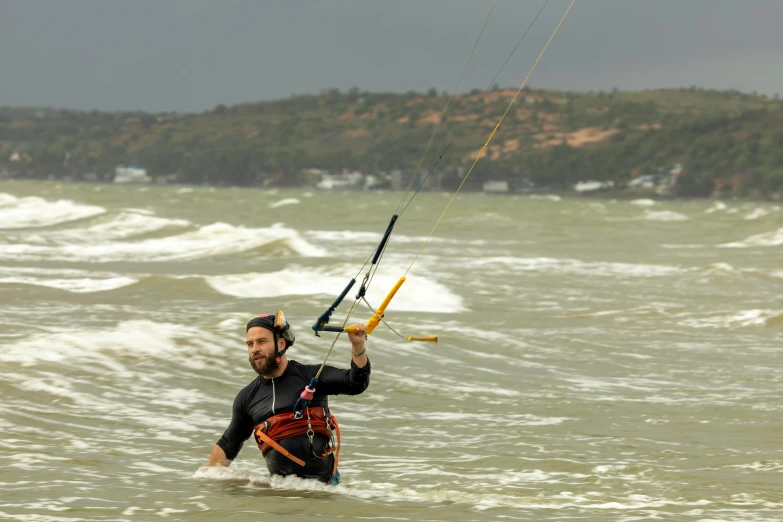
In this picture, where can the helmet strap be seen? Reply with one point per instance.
(278, 354)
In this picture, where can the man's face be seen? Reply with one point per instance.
(261, 350)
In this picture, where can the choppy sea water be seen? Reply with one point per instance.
(598, 360)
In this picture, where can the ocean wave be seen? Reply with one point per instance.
(210, 240)
(756, 213)
(765, 239)
(284, 202)
(575, 266)
(492, 490)
(354, 236)
(743, 319)
(727, 272)
(34, 212)
(717, 206)
(111, 348)
(119, 225)
(77, 281)
(664, 215)
(420, 294)
(7, 199)
(652, 215)
(483, 217)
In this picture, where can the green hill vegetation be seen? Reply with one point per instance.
(723, 139)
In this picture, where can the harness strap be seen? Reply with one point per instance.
(263, 436)
(284, 425)
(335, 449)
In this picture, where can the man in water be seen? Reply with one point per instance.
(307, 446)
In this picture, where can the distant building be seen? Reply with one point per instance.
(500, 186)
(661, 182)
(124, 174)
(645, 181)
(592, 186)
(347, 180)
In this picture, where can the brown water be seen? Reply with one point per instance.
(607, 360)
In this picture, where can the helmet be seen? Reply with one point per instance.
(277, 324)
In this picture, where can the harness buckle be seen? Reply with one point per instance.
(310, 431)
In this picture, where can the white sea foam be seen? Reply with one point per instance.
(284, 202)
(487, 217)
(756, 214)
(418, 294)
(83, 285)
(209, 240)
(145, 211)
(745, 318)
(643, 202)
(33, 211)
(479, 498)
(345, 235)
(122, 225)
(575, 266)
(108, 348)
(7, 199)
(718, 205)
(775, 466)
(720, 270)
(664, 215)
(374, 237)
(765, 239)
(79, 281)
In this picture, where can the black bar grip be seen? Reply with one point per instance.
(386, 235)
(327, 328)
(324, 318)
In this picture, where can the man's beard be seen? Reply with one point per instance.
(266, 367)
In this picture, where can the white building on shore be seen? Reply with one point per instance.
(123, 174)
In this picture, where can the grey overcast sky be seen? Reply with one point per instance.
(190, 55)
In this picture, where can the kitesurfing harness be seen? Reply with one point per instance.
(286, 425)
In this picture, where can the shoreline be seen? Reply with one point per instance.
(604, 195)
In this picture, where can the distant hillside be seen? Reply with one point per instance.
(549, 137)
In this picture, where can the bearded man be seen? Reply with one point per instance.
(305, 444)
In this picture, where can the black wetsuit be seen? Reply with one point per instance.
(263, 398)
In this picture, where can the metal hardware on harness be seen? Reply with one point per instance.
(310, 431)
(327, 418)
(304, 398)
(310, 434)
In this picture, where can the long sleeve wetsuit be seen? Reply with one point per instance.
(263, 398)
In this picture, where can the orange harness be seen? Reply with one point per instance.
(283, 426)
